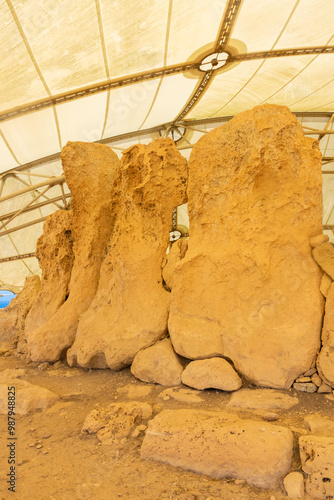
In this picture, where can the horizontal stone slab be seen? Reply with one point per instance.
(220, 445)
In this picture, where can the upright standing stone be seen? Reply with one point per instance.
(55, 255)
(91, 172)
(130, 309)
(248, 288)
(13, 316)
(325, 361)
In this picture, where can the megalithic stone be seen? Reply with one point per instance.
(130, 309)
(248, 288)
(92, 174)
(54, 252)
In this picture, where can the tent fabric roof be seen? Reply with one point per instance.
(126, 71)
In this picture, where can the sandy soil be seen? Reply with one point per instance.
(70, 465)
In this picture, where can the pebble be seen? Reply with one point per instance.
(142, 427)
(43, 366)
(316, 379)
(239, 481)
(31, 445)
(310, 372)
(270, 417)
(46, 436)
(136, 433)
(325, 389)
(303, 379)
(39, 446)
(56, 365)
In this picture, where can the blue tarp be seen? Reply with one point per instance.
(5, 297)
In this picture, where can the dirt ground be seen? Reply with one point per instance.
(55, 461)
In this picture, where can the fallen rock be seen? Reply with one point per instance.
(29, 397)
(263, 399)
(294, 485)
(92, 174)
(248, 287)
(218, 445)
(324, 255)
(318, 240)
(319, 426)
(325, 284)
(182, 395)
(158, 364)
(13, 316)
(305, 387)
(116, 421)
(55, 256)
(130, 309)
(215, 373)
(317, 457)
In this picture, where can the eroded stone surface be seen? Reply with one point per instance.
(130, 309)
(220, 445)
(325, 361)
(172, 259)
(325, 284)
(91, 172)
(248, 287)
(324, 255)
(318, 240)
(116, 421)
(317, 457)
(54, 252)
(158, 364)
(13, 316)
(261, 399)
(215, 373)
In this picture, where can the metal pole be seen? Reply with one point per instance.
(51, 182)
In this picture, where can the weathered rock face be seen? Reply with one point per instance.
(158, 364)
(91, 172)
(130, 309)
(219, 445)
(325, 361)
(55, 255)
(13, 316)
(172, 259)
(317, 457)
(248, 288)
(215, 373)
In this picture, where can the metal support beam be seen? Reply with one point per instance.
(37, 206)
(17, 257)
(19, 212)
(51, 182)
(27, 224)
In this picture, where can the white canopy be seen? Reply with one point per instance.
(127, 71)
